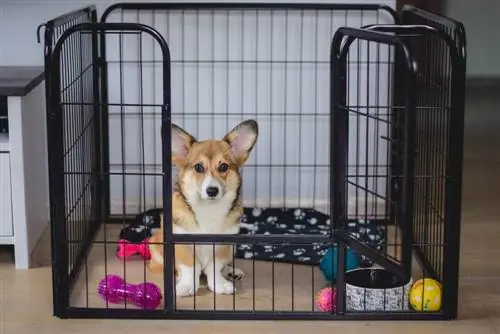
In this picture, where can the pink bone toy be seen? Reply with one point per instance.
(144, 295)
(127, 249)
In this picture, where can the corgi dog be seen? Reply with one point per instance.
(206, 200)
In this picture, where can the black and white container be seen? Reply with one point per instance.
(375, 289)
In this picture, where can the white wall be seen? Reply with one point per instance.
(291, 103)
(20, 18)
(482, 25)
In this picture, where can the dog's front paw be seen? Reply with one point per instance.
(232, 273)
(223, 287)
(188, 280)
(185, 289)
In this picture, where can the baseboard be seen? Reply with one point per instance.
(358, 207)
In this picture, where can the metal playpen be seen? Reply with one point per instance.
(351, 195)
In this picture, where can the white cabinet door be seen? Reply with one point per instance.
(6, 226)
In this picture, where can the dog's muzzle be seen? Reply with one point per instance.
(211, 188)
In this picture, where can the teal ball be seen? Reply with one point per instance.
(328, 264)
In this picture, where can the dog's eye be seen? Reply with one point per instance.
(223, 168)
(199, 168)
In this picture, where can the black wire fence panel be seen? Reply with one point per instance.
(355, 154)
(229, 64)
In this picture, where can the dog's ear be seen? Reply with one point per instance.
(242, 138)
(181, 143)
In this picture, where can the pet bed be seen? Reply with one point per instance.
(276, 221)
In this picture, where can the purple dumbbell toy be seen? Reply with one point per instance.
(144, 295)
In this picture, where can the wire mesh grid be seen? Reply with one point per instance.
(58, 25)
(227, 65)
(439, 111)
(372, 120)
(370, 145)
(77, 136)
(271, 65)
(427, 105)
(79, 150)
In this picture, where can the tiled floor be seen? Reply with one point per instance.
(26, 296)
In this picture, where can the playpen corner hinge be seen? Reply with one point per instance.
(165, 112)
(101, 61)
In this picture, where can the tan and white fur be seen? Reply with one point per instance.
(206, 200)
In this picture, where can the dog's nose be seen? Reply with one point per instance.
(212, 191)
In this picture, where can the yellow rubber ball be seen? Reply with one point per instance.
(426, 295)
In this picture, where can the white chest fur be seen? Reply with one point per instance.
(211, 217)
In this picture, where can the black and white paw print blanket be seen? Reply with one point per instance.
(275, 221)
(300, 221)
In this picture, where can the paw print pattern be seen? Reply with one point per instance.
(244, 247)
(299, 214)
(312, 221)
(256, 212)
(299, 251)
(268, 248)
(151, 219)
(146, 220)
(272, 219)
(249, 255)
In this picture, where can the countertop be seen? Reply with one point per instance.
(19, 80)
